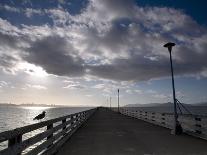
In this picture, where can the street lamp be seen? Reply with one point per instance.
(118, 100)
(177, 126)
(110, 102)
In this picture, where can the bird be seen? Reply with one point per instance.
(40, 116)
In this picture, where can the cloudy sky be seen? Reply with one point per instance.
(80, 52)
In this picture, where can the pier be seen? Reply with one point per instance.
(103, 131)
(110, 133)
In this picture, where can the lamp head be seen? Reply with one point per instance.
(169, 45)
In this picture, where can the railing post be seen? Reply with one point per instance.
(50, 136)
(72, 122)
(79, 117)
(85, 116)
(63, 121)
(15, 140)
(198, 125)
(82, 117)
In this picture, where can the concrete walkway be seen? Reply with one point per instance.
(110, 133)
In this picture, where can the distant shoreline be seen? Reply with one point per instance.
(41, 105)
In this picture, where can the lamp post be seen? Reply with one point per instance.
(107, 102)
(110, 102)
(176, 123)
(118, 100)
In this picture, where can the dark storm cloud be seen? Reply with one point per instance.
(112, 39)
(191, 62)
(130, 69)
(8, 40)
(140, 69)
(115, 37)
(189, 58)
(54, 54)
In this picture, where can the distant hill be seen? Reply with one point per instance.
(44, 105)
(7, 104)
(168, 104)
(143, 105)
(200, 104)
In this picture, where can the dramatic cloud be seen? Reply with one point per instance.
(74, 85)
(39, 87)
(3, 84)
(29, 12)
(54, 54)
(7, 61)
(111, 39)
(136, 91)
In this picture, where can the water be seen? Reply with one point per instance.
(12, 117)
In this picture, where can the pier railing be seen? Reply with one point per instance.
(195, 125)
(53, 134)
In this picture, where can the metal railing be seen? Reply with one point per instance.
(56, 133)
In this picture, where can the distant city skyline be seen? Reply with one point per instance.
(80, 52)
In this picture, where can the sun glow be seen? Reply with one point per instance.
(32, 69)
(36, 108)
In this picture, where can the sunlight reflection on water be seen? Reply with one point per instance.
(12, 117)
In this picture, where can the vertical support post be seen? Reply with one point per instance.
(50, 136)
(107, 102)
(72, 122)
(79, 118)
(63, 121)
(118, 100)
(174, 98)
(177, 127)
(84, 116)
(110, 103)
(15, 140)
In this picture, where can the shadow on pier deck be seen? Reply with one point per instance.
(110, 133)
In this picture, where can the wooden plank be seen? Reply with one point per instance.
(195, 125)
(22, 130)
(61, 142)
(30, 141)
(45, 144)
(63, 121)
(63, 132)
(55, 147)
(14, 141)
(50, 126)
(17, 148)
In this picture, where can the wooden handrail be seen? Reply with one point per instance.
(195, 125)
(25, 129)
(68, 125)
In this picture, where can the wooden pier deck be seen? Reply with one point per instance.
(110, 133)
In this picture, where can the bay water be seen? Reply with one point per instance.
(12, 117)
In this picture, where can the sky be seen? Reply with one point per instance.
(80, 52)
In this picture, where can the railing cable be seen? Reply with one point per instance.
(183, 107)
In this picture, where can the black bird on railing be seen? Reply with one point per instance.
(40, 116)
